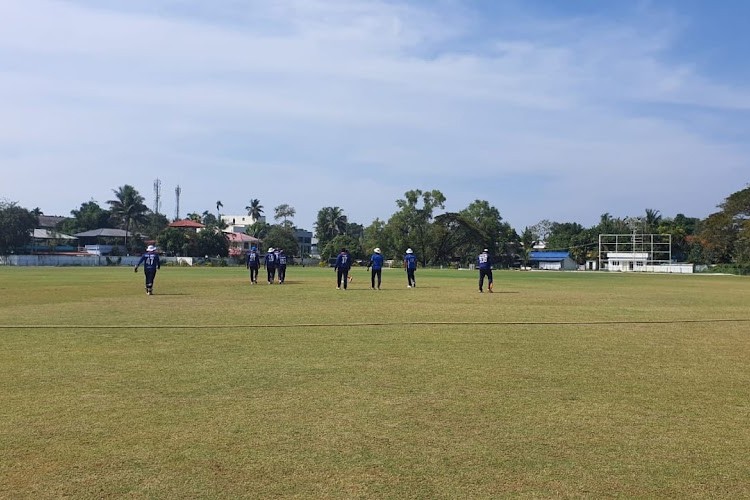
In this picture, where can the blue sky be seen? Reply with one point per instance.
(546, 109)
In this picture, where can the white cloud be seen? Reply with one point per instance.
(348, 101)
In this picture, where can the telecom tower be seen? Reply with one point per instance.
(177, 192)
(157, 196)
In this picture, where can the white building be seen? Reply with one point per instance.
(640, 262)
(626, 261)
(239, 223)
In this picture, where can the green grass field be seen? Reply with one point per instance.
(557, 385)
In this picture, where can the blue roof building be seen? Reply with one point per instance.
(555, 261)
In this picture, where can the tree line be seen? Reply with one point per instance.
(419, 222)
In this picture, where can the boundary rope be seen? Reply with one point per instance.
(383, 323)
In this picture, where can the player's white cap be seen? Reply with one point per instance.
(377, 250)
(270, 249)
(150, 248)
(408, 250)
(485, 250)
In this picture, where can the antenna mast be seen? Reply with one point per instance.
(177, 192)
(157, 196)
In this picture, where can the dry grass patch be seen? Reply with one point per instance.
(138, 401)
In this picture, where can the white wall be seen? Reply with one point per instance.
(81, 260)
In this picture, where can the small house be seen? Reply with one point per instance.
(552, 261)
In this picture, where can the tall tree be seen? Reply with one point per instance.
(89, 216)
(16, 226)
(717, 237)
(258, 229)
(219, 206)
(127, 207)
(541, 231)
(456, 236)
(282, 237)
(724, 235)
(331, 222)
(255, 209)
(527, 245)
(494, 232)
(174, 241)
(212, 243)
(208, 219)
(374, 235)
(414, 221)
(285, 212)
(651, 221)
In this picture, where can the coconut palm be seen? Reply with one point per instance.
(127, 207)
(331, 223)
(653, 219)
(219, 205)
(255, 209)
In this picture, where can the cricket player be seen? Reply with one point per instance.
(281, 264)
(484, 263)
(410, 264)
(342, 266)
(270, 265)
(376, 262)
(253, 263)
(151, 264)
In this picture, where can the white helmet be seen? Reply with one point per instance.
(377, 250)
(150, 248)
(408, 250)
(270, 249)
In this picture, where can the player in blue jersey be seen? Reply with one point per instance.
(270, 264)
(484, 263)
(376, 262)
(151, 264)
(410, 264)
(253, 264)
(281, 264)
(342, 266)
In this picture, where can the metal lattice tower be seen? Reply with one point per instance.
(157, 196)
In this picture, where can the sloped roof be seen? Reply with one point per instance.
(240, 237)
(187, 223)
(46, 234)
(549, 256)
(104, 231)
(50, 220)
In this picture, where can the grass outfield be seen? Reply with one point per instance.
(556, 385)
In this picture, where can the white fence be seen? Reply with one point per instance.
(82, 260)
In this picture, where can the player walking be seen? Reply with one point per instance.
(342, 266)
(281, 264)
(484, 263)
(253, 263)
(410, 264)
(151, 264)
(376, 262)
(270, 265)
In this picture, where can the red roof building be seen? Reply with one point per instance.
(187, 224)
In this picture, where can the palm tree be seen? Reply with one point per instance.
(331, 223)
(127, 207)
(653, 219)
(254, 209)
(219, 205)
